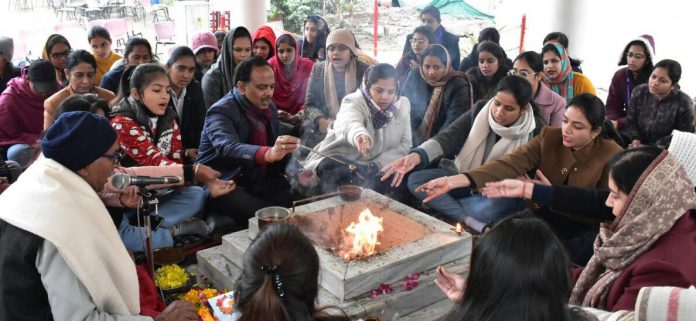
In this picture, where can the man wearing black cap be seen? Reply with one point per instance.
(21, 111)
(61, 257)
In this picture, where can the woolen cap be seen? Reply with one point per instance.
(341, 36)
(203, 40)
(78, 138)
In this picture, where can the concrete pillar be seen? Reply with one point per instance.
(248, 13)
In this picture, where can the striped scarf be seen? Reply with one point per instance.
(563, 84)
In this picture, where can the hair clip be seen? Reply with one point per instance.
(272, 271)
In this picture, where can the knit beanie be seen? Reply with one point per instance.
(649, 43)
(78, 138)
(341, 36)
(202, 40)
(6, 48)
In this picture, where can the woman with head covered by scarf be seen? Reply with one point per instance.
(291, 72)
(264, 42)
(219, 79)
(560, 76)
(438, 94)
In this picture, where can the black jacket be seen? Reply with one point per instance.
(193, 115)
(22, 294)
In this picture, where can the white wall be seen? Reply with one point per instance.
(600, 29)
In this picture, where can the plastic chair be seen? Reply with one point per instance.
(164, 34)
(155, 10)
(60, 8)
(63, 26)
(118, 29)
(98, 22)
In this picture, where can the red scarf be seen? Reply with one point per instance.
(289, 93)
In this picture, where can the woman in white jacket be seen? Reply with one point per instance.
(372, 128)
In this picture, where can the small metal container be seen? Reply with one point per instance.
(271, 214)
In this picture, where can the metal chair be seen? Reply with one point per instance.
(164, 34)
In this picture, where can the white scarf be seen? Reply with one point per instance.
(53, 202)
(518, 134)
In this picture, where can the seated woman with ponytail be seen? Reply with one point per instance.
(372, 128)
(575, 154)
(280, 279)
(487, 132)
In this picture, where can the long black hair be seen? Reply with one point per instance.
(280, 277)
(311, 51)
(519, 271)
(482, 87)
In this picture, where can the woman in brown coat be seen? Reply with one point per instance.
(575, 154)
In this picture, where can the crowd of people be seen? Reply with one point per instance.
(585, 208)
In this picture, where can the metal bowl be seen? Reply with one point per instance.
(271, 214)
(350, 192)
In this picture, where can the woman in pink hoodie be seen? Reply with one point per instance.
(21, 111)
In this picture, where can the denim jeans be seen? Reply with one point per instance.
(174, 208)
(23, 154)
(133, 237)
(463, 204)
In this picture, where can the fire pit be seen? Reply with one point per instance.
(396, 278)
(410, 242)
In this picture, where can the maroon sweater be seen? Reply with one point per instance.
(670, 262)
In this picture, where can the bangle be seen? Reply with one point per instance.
(524, 190)
(195, 169)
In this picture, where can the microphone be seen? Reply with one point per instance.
(121, 181)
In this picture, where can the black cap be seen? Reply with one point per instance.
(42, 74)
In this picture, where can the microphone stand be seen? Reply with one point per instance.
(149, 202)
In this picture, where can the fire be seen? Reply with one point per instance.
(364, 235)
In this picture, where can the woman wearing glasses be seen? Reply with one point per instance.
(80, 70)
(56, 50)
(638, 58)
(331, 80)
(423, 37)
(551, 106)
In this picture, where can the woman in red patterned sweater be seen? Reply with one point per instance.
(144, 121)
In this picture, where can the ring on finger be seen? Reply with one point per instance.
(282, 146)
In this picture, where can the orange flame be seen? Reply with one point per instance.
(364, 235)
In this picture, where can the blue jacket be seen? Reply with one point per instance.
(111, 80)
(226, 142)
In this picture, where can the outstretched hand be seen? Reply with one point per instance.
(435, 188)
(452, 284)
(399, 168)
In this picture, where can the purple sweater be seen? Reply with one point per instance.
(21, 113)
(622, 85)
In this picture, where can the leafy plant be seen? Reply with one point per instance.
(294, 12)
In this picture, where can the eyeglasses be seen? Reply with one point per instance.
(115, 158)
(58, 55)
(418, 41)
(635, 55)
(522, 73)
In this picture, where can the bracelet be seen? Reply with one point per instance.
(524, 189)
(195, 169)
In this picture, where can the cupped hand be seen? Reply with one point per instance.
(452, 284)
(219, 187)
